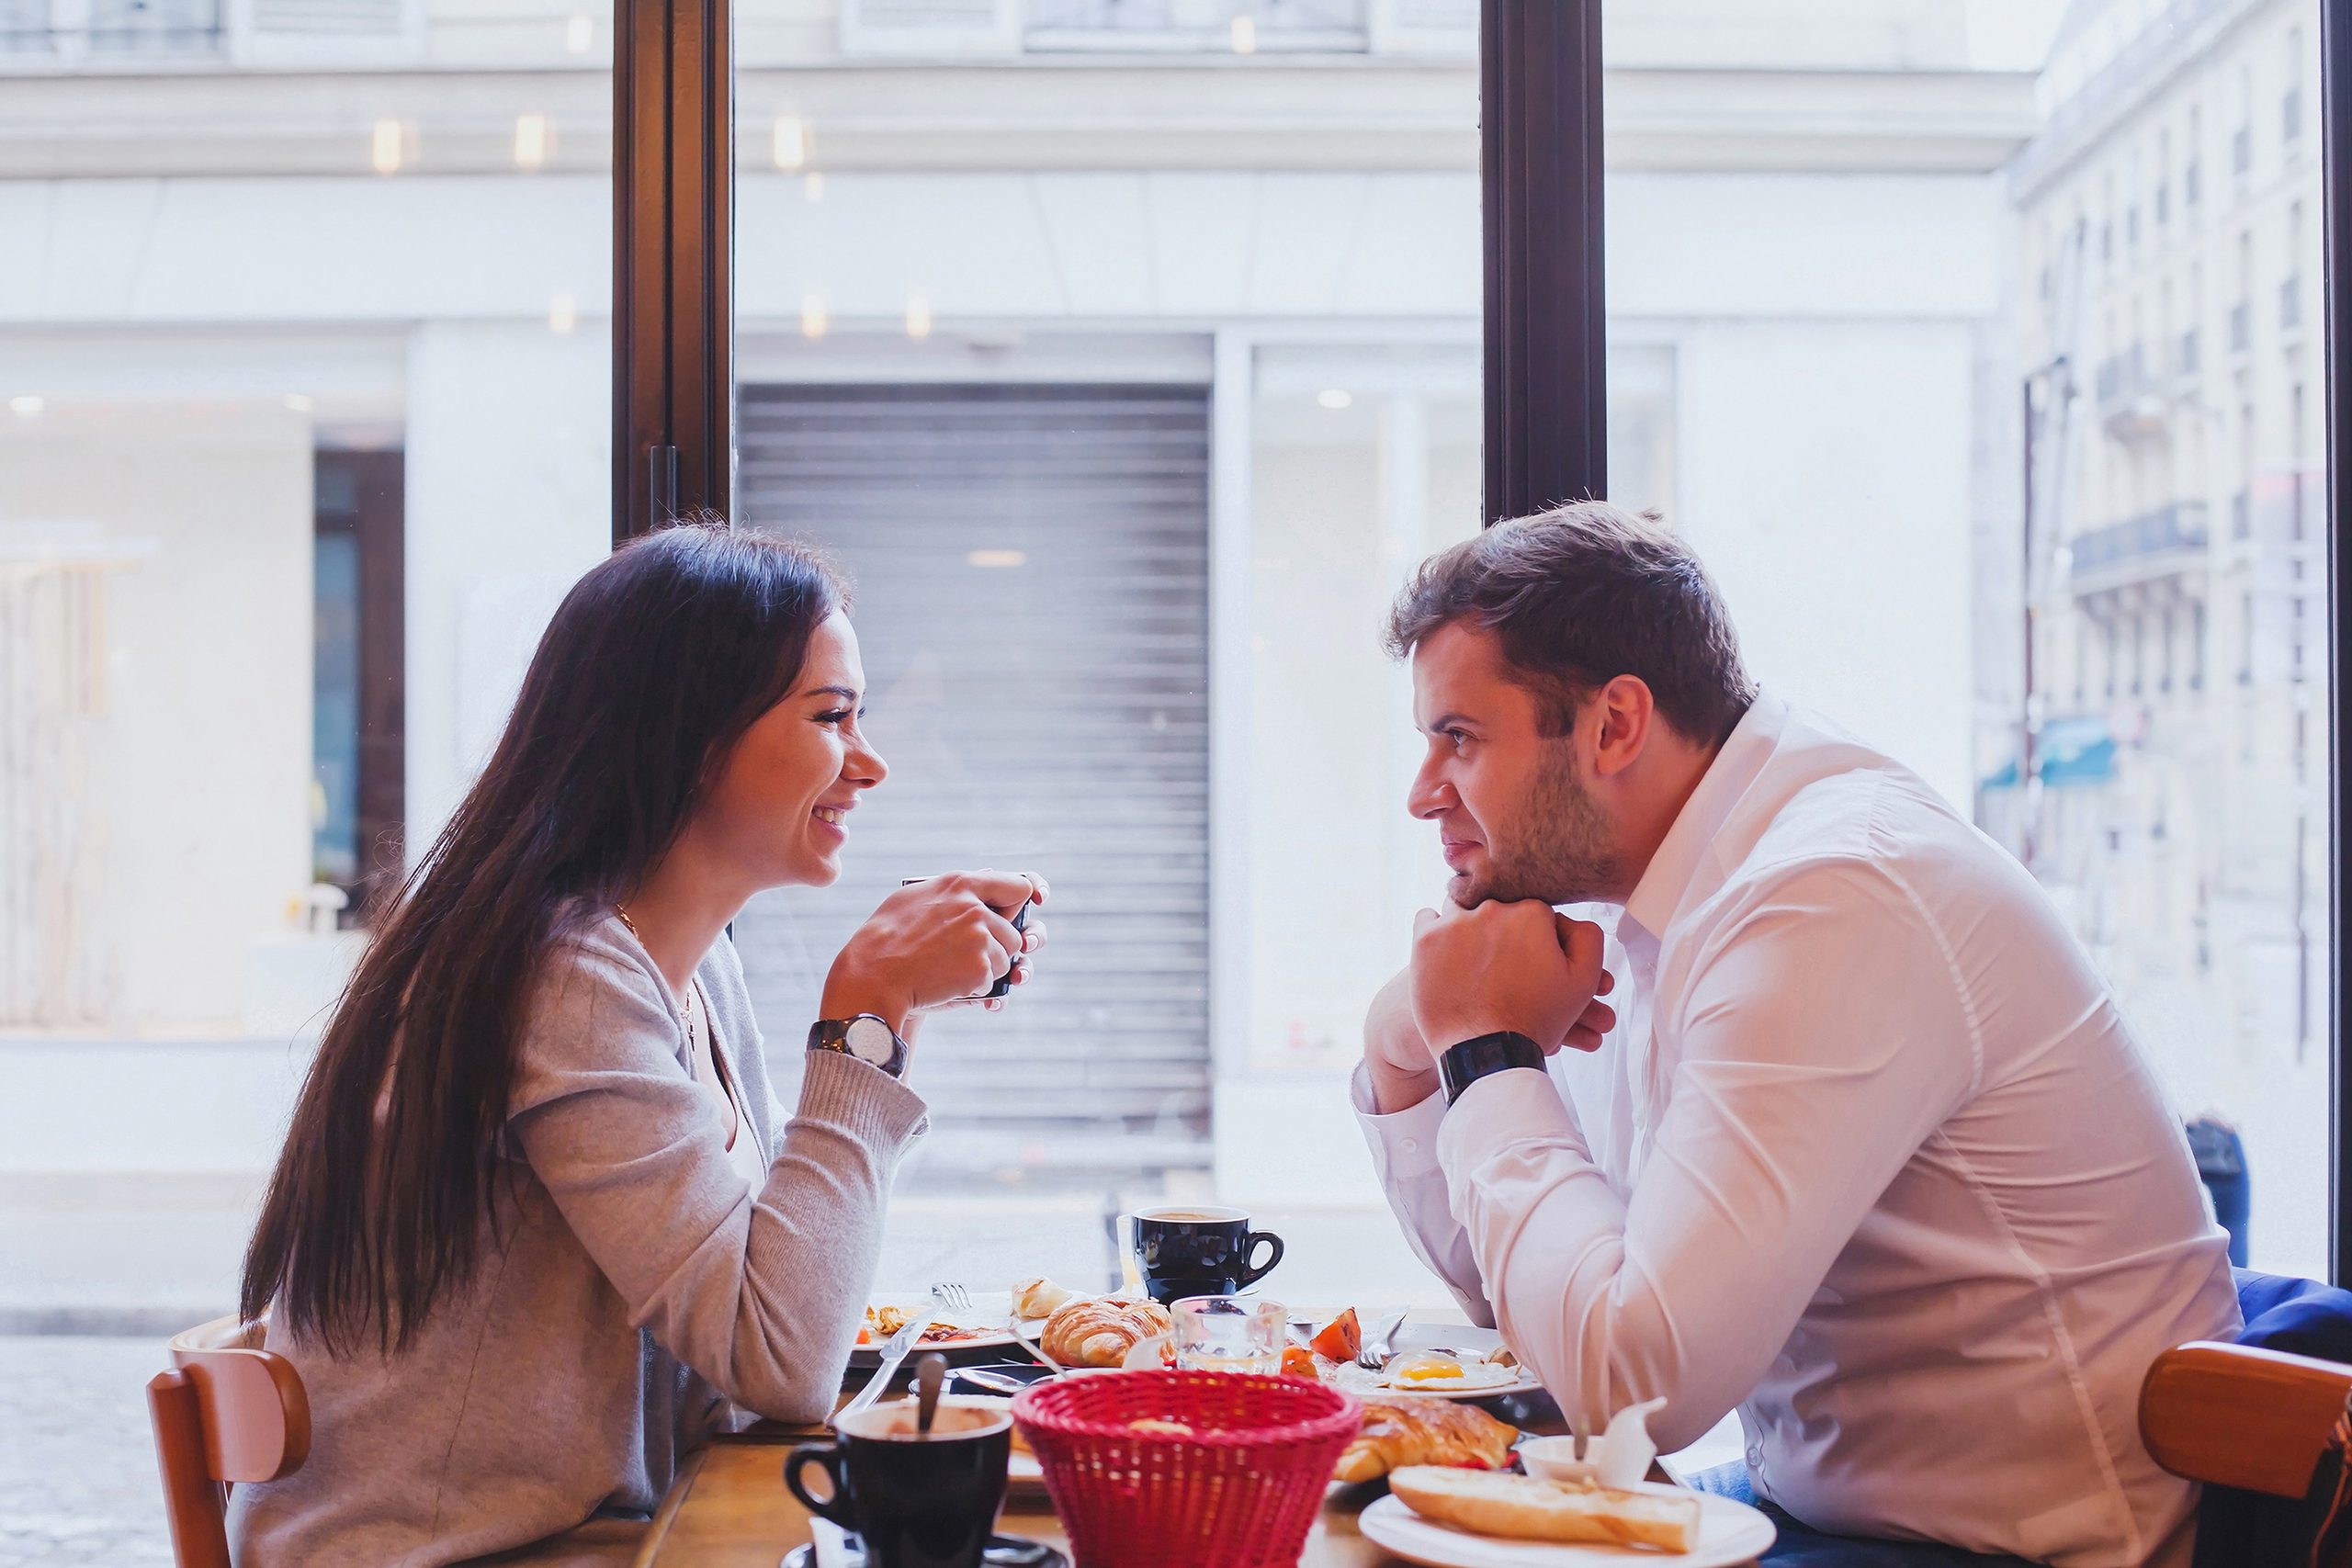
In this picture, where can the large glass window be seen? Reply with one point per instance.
(1126, 357)
(304, 355)
(1975, 491)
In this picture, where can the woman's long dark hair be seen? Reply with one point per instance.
(657, 662)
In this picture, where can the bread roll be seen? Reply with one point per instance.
(1099, 1331)
(1522, 1508)
(1037, 1298)
(1410, 1430)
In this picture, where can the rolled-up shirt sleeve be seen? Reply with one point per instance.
(1824, 1038)
(1404, 1156)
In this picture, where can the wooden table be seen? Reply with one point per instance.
(728, 1508)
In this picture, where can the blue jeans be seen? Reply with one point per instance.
(1799, 1547)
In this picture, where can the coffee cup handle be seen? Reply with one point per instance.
(1254, 1273)
(826, 1457)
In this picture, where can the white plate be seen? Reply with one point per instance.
(991, 1312)
(1351, 1379)
(1418, 1337)
(1729, 1534)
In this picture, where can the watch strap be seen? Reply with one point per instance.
(1466, 1064)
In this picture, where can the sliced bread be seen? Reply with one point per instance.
(1524, 1507)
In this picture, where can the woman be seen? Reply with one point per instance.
(539, 1220)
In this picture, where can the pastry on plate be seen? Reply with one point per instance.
(1401, 1432)
(1099, 1331)
(1037, 1298)
(1521, 1507)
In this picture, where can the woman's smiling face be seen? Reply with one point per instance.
(780, 807)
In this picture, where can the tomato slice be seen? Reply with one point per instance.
(1298, 1361)
(1339, 1339)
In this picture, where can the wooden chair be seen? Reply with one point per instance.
(228, 1410)
(2233, 1416)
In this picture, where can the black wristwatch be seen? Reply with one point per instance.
(1466, 1064)
(867, 1037)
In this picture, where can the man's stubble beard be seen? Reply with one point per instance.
(1557, 849)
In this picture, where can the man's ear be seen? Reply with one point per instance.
(1628, 715)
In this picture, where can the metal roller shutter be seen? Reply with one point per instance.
(1049, 715)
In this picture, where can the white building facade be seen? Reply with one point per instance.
(2169, 225)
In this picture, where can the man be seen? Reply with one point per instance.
(1865, 1148)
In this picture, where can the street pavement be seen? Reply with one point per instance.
(77, 1467)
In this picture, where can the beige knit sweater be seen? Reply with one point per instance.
(641, 1287)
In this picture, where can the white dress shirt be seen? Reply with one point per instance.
(1870, 1155)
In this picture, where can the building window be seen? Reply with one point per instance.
(2241, 139)
(2291, 102)
(2291, 288)
(2197, 647)
(2191, 172)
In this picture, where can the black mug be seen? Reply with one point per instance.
(1185, 1249)
(916, 1501)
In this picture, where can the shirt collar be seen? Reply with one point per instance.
(1667, 877)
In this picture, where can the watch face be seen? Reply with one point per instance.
(870, 1040)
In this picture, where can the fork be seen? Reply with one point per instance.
(954, 1297)
(1376, 1351)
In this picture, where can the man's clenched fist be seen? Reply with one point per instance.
(1521, 967)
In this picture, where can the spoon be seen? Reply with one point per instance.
(930, 1372)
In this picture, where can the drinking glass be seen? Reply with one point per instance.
(1229, 1334)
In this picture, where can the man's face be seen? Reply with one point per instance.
(1515, 816)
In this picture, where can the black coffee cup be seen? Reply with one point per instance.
(916, 1501)
(1186, 1249)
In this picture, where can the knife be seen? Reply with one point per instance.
(893, 1353)
(1034, 1347)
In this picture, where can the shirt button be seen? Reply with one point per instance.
(1412, 1145)
(1755, 1455)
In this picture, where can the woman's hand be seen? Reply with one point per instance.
(934, 944)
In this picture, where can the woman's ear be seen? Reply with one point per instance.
(1627, 713)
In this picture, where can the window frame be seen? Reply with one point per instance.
(2336, 287)
(1545, 347)
(673, 255)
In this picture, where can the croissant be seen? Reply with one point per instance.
(1099, 1331)
(1419, 1431)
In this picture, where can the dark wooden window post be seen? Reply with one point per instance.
(1547, 438)
(673, 221)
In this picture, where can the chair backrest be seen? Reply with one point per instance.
(227, 1411)
(2233, 1416)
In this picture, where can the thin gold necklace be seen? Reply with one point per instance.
(686, 1010)
(685, 1005)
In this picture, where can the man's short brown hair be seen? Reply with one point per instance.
(1579, 595)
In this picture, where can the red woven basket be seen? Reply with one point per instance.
(1239, 1490)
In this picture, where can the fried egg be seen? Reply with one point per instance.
(1434, 1373)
